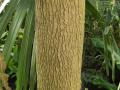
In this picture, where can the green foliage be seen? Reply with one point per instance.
(98, 80)
(103, 31)
(16, 42)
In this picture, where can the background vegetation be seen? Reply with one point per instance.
(16, 43)
(101, 68)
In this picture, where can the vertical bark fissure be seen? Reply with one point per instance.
(60, 33)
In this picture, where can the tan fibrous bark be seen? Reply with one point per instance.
(59, 39)
(3, 76)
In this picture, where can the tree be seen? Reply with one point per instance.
(59, 39)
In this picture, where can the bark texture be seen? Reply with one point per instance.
(59, 39)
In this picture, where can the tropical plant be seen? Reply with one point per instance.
(17, 43)
(17, 36)
(106, 28)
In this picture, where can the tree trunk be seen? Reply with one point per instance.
(59, 39)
